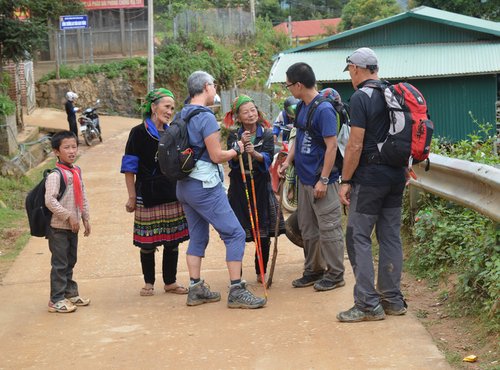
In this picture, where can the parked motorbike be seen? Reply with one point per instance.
(89, 124)
(289, 192)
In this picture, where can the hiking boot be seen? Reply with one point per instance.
(200, 293)
(62, 306)
(325, 284)
(240, 297)
(394, 309)
(306, 280)
(79, 301)
(356, 315)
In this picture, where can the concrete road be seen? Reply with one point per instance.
(122, 330)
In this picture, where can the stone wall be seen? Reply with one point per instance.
(8, 134)
(118, 96)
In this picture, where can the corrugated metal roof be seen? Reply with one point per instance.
(422, 12)
(399, 62)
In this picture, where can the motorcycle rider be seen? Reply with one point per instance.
(285, 118)
(71, 111)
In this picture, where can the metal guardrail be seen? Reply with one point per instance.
(473, 185)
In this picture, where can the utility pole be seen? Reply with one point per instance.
(151, 46)
(252, 11)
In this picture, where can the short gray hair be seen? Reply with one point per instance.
(197, 81)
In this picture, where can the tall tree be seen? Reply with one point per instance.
(314, 9)
(486, 9)
(360, 12)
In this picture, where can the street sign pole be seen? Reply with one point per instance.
(151, 56)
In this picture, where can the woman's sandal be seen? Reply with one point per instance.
(147, 291)
(176, 289)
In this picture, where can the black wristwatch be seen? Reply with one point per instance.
(342, 181)
(324, 180)
(236, 147)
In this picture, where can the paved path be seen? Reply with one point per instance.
(121, 330)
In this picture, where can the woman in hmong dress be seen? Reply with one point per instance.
(247, 123)
(159, 217)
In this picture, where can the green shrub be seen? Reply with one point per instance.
(7, 106)
(449, 239)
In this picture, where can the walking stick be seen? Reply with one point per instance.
(257, 228)
(276, 232)
(240, 157)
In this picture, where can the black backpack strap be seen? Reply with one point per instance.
(191, 114)
(62, 180)
(312, 109)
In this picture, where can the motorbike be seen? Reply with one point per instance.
(289, 192)
(89, 124)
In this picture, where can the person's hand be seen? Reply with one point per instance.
(246, 137)
(319, 190)
(130, 206)
(345, 194)
(282, 168)
(86, 225)
(74, 223)
(249, 148)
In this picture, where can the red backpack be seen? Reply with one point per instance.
(410, 131)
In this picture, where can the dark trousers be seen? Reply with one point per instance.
(266, 245)
(73, 127)
(169, 264)
(63, 246)
(379, 207)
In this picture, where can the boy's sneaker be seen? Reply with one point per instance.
(393, 309)
(79, 301)
(306, 280)
(200, 293)
(326, 284)
(240, 297)
(356, 315)
(62, 306)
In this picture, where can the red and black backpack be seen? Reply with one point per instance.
(410, 132)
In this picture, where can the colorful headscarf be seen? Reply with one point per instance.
(229, 118)
(151, 97)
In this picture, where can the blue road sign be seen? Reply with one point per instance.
(71, 22)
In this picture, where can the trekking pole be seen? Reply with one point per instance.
(257, 228)
(244, 178)
(276, 232)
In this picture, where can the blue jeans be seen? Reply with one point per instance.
(210, 206)
(63, 246)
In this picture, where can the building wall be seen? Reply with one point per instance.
(410, 31)
(450, 100)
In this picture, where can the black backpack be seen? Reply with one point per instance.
(341, 111)
(39, 215)
(175, 155)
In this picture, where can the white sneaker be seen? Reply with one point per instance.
(79, 301)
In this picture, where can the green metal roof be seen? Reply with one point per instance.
(399, 62)
(422, 13)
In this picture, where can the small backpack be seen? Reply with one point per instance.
(39, 216)
(343, 120)
(410, 131)
(175, 155)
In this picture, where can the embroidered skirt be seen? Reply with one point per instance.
(164, 224)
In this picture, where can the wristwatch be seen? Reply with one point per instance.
(324, 180)
(342, 181)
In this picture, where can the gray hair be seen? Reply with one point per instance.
(197, 81)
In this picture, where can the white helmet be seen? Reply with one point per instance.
(216, 99)
(70, 95)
